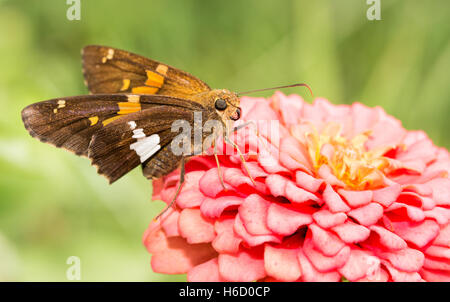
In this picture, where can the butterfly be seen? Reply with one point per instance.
(127, 118)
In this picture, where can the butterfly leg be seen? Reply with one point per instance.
(227, 139)
(177, 192)
(219, 171)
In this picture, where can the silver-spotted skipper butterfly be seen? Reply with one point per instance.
(126, 120)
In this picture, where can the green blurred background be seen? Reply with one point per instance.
(53, 205)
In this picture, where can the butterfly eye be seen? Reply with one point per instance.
(220, 104)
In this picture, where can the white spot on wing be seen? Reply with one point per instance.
(145, 146)
(132, 125)
(138, 133)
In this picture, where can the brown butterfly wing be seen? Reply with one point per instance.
(71, 122)
(139, 138)
(111, 70)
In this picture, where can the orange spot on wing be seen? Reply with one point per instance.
(93, 120)
(144, 90)
(125, 85)
(154, 79)
(109, 120)
(128, 107)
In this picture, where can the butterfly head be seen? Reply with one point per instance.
(225, 104)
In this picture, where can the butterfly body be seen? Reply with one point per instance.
(127, 119)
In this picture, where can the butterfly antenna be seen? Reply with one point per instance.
(279, 87)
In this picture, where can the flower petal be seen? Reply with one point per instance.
(175, 256)
(285, 220)
(356, 198)
(386, 196)
(418, 233)
(253, 213)
(213, 208)
(194, 227)
(245, 266)
(406, 260)
(226, 240)
(325, 241)
(205, 272)
(361, 264)
(252, 240)
(326, 219)
(323, 263)
(368, 214)
(210, 184)
(351, 232)
(334, 201)
(281, 263)
(308, 182)
(389, 239)
(310, 274)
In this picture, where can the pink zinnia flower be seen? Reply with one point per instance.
(345, 192)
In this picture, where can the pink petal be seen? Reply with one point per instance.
(368, 214)
(325, 173)
(226, 240)
(276, 184)
(169, 223)
(205, 272)
(438, 251)
(298, 195)
(285, 220)
(269, 161)
(290, 108)
(422, 150)
(326, 219)
(379, 276)
(190, 195)
(245, 266)
(194, 227)
(213, 208)
(441, 191)
(310, 274)
(308, 182)
(380, 137)
(253, 213)
(356, 198)
(361, 264)
(334, 201)
(293, 155)
(386, 196)
(435, 275)
(252, 240)
(406, 260)
(323, 263)
(443, 239)
(255, 170)
(325, 241)
(210, 184)
(236, 177)
(281, 263)
(175, 256)
(400, 276)
(351, 232)
(389, 239)
(441, 215)
(281, 186)
(363, 118)
(418, 233)
(413, 213)
(436, 263)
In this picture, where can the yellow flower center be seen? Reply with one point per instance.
(348, 159)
